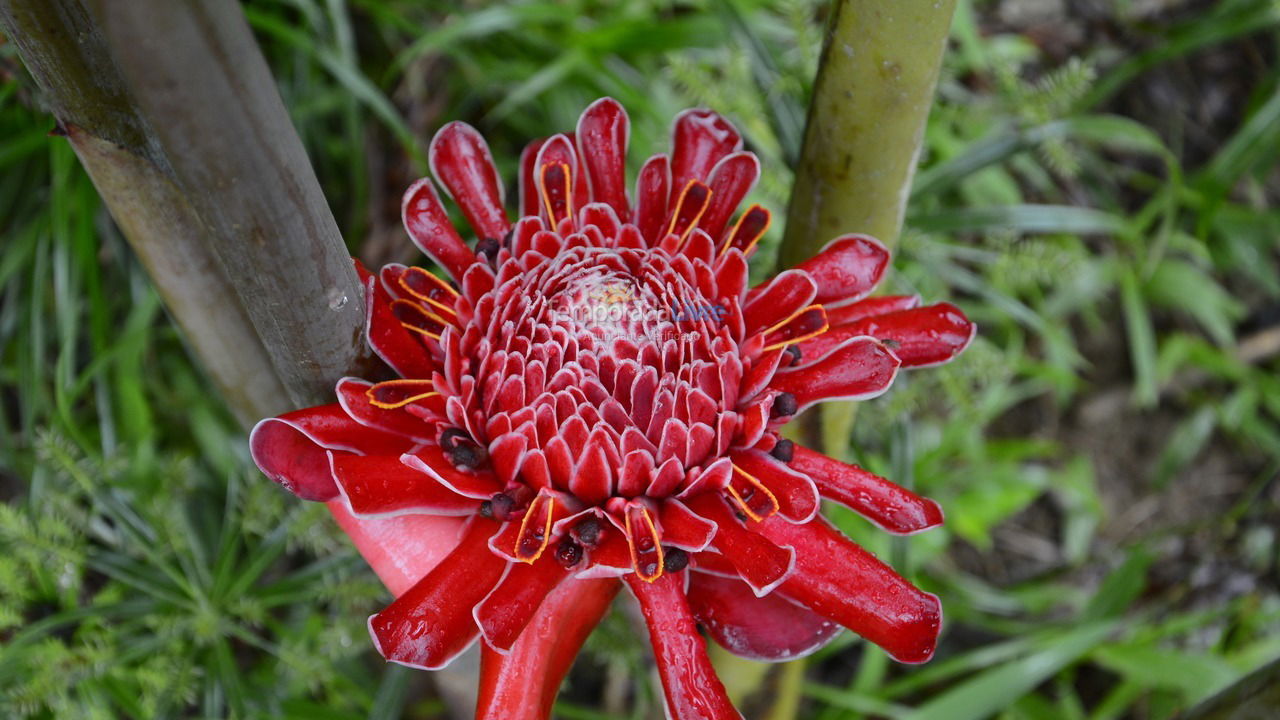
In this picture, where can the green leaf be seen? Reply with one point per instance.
(1195, 676)
(1021, 218)
(995, 689)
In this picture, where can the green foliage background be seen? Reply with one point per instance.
(1106, 451)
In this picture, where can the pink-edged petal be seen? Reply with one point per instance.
(431, 623)
(382, 485)
(890, 506)
(922, 336)
(522, 684)
(603, 131)
(767, 629)
(796, 495)
(290, 449)
(460, 160)
(848, 268)
(653, 190)
(761, 563)
(514, 602)
(530, 198)
(860, 369)
(836, 578)
(353, 396)
(865, 308)
(401, 550)
(699, 140)
(428, 225)
(689, 683)
(683, 528)
(772, 304)
(730, 181)
(389, 338)
(431, 460)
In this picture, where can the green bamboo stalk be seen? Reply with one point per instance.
(866, 121)
(173, 112)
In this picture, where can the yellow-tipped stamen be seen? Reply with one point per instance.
(768, 221)
(539, 501)
(675, 216)
(653, 533)
(546, 196)
(792, 341)
(372, 393)
(437, 282)
(759, 487)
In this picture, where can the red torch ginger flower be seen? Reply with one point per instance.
(596, 397)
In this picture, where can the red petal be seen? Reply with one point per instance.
(431, 460)
(291, 449)
(389, 338)
(771, 305)
(431, 623)
(768, 629)
(860, 369)
(878, 305)
(683, 528)
(848, 268)
(401, 550)
(522, 685)
(921, 336)
(730, 181)
(759, 561)
(506, 611)
(382, 485)
(689, 682)
(838, 579)
(796, 494)
(460, 160)
(353, 395)
(890, 506)
(602, 136)
(653, 188)
(429, 228)
(530, 200)
(699, 140)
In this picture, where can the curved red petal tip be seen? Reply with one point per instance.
(848, 268)
(890, 506)
(923, 336)
(699, 140)
(384, 486)
(603, 132)
(730, 181)
(766, 629)
(429, 227)
(860, 369)
(431, 623)
(522, 684)
(836, 578)
(689, 682)
(289, 448)
(460, 160)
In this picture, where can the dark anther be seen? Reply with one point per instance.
(568, 553)
(588, 531)
(500, 506)
(450, 438)
(742, 517)
(486, 509)
(784, 450)
(674, 559)
(58, 130)
(784, 405)
(488, 248)
(463, 452)
(794, 352)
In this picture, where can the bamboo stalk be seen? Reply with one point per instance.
(173, 112)
(866, 121)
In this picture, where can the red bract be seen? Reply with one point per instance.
(597, 396)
